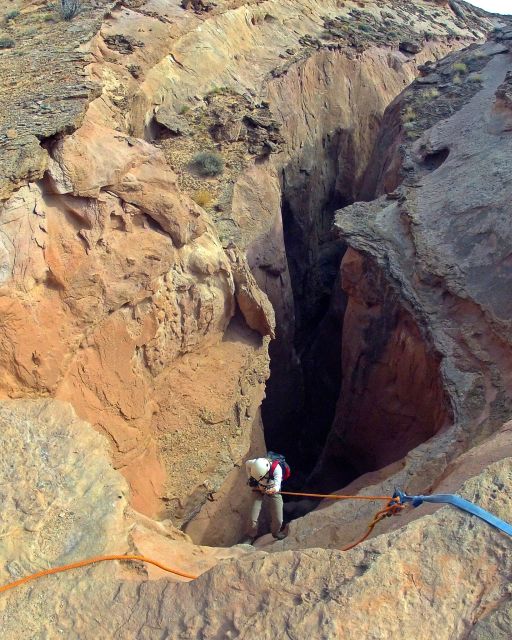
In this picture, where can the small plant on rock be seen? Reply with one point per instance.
(409, 115)
(202, 197)
(460, 67)
(11, 15)
(430, 94)
(218, 91)
(6, 43)
(208, 163)
(69, 8)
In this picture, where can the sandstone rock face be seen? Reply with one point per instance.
(143, 296)
(444, 249)
(61, 499)
(118, 275)
(438, 241)
(63, 502)
(391, 398)
(33, 111)
(447, 569)
(128, 284)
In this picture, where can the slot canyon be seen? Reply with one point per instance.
(247, 225)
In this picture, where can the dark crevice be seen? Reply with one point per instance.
(433, 160)
(310, 382)
(334, 425)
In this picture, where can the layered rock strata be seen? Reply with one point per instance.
(141, 300)
(124, 296)
(440, 244)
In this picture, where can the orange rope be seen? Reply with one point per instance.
(83, 563)
(330, 496)
(391, 510)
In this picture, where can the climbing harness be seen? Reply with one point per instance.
(395, 504)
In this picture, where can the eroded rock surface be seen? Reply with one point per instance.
(443, 242)
(145, 292)
(447, 569)
(109, 262)
(61, 502)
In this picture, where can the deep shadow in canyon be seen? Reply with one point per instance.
(366, 385)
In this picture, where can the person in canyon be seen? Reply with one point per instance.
(265, 478)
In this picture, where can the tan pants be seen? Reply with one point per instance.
(275, 502)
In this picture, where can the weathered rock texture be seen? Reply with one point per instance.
(45, 88)
(392, 397)
(119, 293)
(445, 569)
(442, 243)
(144, 293)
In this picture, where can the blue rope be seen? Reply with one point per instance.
(457, 501)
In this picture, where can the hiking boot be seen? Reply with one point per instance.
(280, 535)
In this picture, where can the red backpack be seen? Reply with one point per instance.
(278, 459)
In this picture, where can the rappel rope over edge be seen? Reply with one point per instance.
(396, 503)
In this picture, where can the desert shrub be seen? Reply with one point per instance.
(6, 43)
(430, 94)
(69, 8)
(202, 197)
(460, 67)
(457, 79)
(217, 91)
(475, 77)
(475, 57)
(11, 15)
(409, 115)
(208, 163)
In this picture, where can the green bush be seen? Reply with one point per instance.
(460, 67)
(208, 163)
(217, 91)
(11, 15)
(6, 43)
(430, 94)
(69, 8)
(409, 115)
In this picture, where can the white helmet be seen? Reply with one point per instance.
(259, 468)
